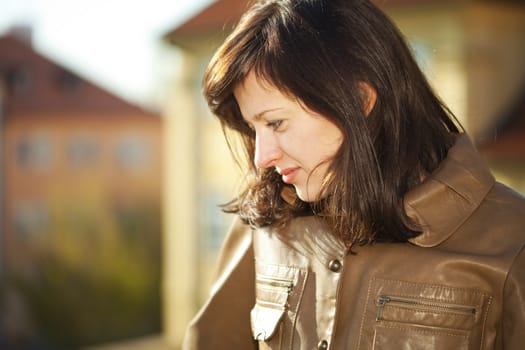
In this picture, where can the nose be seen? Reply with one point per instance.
(267, 150)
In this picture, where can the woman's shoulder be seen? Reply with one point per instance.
(497, 226)
(503, 211)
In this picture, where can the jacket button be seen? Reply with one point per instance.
(335, 265)
(323, 345)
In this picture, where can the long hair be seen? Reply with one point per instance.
(321, 52)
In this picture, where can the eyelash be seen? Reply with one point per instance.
(274, 124)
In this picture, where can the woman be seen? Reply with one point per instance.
(369, 221)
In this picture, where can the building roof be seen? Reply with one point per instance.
(32, 83)
(218, 14)
(224, 14)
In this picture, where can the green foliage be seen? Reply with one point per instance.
(97, 278)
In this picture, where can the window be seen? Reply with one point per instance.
(133, 153)
(67, 81)
(214, 223)
(34, 152)
(83, 151)
(422, 53)
(31, 218)
(17, 79)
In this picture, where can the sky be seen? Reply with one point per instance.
(114, 43)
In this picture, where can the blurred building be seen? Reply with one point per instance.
(504, 144)
(66, 143)
(472, 52)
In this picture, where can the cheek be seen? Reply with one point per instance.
(298, 147)
(332, 140)
(309, 147)
(327, 151)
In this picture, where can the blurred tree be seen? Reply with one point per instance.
(98, 277)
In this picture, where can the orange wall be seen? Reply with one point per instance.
(105, 177)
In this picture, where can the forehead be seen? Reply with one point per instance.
(255, 95)
(253, 82)
(256, 92)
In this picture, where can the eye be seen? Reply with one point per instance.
(274, 124)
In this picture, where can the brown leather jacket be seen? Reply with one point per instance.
(459, 285)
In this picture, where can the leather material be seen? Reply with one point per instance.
(458, 285)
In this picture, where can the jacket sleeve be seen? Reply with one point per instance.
(514, 305)
(224, 320)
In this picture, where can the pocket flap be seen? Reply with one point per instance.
(265, 320)
(273, 287)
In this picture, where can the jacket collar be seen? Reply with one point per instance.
(441, 203)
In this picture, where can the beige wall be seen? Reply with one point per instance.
(495, 52)
(200, 174)
(436, 36)
(472, 53)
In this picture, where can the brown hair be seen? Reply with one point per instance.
(320, 51)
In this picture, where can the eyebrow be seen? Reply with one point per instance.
(259, 115)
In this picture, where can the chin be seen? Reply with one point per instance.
(305, 196)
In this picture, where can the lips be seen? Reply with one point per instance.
(289, 174)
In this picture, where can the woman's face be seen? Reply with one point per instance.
(294, 140)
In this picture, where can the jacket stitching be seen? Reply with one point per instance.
(364, 312)
(433, 285)
(421, 309)
(423, 331)
(489, 303)
(299, 301)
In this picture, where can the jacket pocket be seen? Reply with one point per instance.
(405, 315)
(278, 295)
